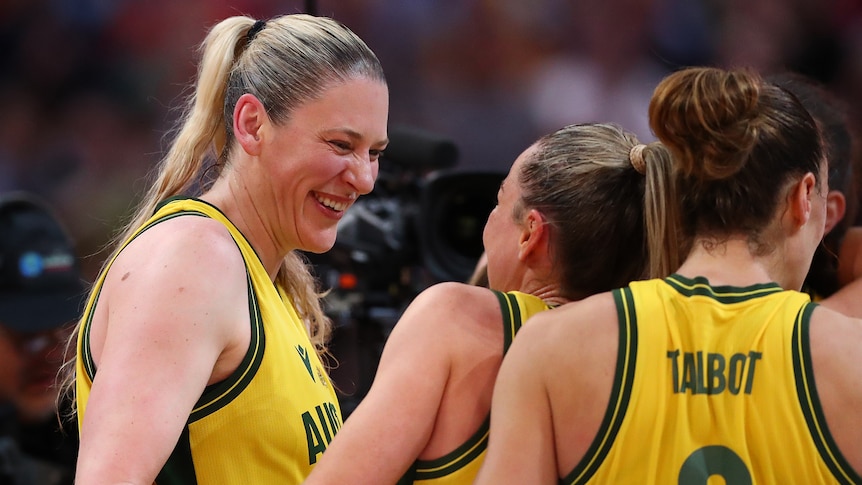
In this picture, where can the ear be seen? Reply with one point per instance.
(836, 206)
(533, 240)
(249, 115)
(803, 191)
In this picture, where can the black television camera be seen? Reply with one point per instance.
(421, 225)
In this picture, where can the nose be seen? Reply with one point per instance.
(362, 174)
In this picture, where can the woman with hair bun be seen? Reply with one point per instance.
(723, 369)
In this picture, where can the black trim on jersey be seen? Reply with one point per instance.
(620, 393)
(511, 317)
(179, 468)
(699, 286)
(809, 401)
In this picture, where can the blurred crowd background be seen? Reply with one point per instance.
(89, 88)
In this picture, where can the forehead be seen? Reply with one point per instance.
(357, 104)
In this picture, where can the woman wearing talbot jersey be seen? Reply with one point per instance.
(724, 369)
(198, 352)
(570, 221)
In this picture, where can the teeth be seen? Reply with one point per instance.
(336, 206)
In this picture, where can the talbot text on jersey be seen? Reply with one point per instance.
(712, 373)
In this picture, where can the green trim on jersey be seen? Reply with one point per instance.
(275, 402)
(511, 317)
(452, 462)
(218, 395)
(690, 315)
(474, 448)
(700, 286)
(620, 393)
(87, 356)
(810, 402)
(179, 468)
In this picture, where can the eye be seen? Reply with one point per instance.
(341, 145)
(375, 154)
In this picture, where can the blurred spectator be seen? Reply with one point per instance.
(40, 296)
(87, 86)
(491, 75)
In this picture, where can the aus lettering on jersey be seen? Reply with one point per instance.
(321, 424)
(712, 373)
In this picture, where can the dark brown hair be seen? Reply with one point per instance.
(736, 141)
(831, 116)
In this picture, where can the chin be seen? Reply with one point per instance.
(320, 247)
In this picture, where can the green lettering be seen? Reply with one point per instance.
(753, 357)
(701, 374)
(734, 373)
(316, 445)
(716, 373)
(674, 369)
(332, 415)
(689, 373)
(323, 424)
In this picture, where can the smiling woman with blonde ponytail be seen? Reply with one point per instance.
(199, 354)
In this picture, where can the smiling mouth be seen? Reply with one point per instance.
(331, 204)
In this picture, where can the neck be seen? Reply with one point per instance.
(732, 263)
(550, 294)
(232, 198)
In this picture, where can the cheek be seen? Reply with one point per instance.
(489, 228)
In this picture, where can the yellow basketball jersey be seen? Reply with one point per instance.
(712, 382)
(462, 465)
(267, 423)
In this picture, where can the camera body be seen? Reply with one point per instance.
(421, 225)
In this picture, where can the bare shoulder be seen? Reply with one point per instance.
(189, 247)
(182, 280)
(582, 324)
(835, 342)
(454, 304)
(575, 336)
(571, 352)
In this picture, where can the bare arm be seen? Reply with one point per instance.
(394, 422)
(547, 409)
(167, 315)
(521, 443)
(835, 351)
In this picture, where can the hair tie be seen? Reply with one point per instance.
(636, 157)
(257, 27)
